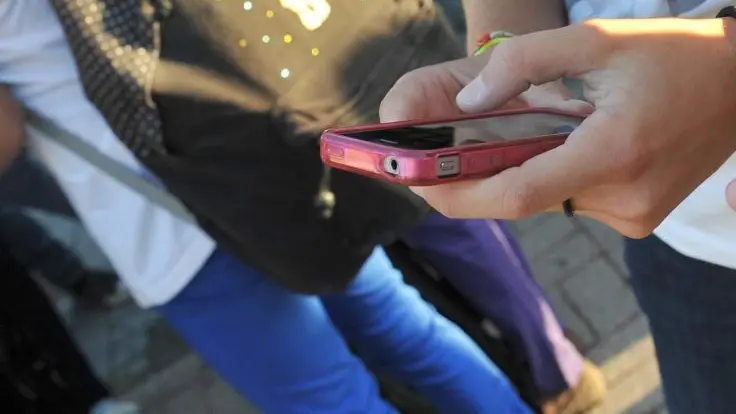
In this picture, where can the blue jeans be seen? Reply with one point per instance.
(286, 354)
(691, 306)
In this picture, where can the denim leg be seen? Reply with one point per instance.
(277, 348)
(395, 330)
(691, 306)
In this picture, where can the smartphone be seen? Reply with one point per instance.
(430, 152)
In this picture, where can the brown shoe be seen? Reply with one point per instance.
(589, 392)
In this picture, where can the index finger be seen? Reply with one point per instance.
(533, 59)
(543, 181)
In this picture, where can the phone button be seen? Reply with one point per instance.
(448, 166)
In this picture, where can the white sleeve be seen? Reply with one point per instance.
(154, 253)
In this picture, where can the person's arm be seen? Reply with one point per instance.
(12, 128)
(514, 16)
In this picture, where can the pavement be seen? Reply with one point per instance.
(578, 262)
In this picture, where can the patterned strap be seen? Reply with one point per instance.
(490, 40)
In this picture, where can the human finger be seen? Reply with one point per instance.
(555, 95)
(731, 194)
(429, 92)
(532, 59)
(541, 182)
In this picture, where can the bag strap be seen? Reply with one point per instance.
(112, 167)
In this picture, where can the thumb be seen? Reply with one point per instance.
(532, 59)
(731, 194)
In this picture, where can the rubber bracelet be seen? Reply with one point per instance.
(729, 11)
(490, 40)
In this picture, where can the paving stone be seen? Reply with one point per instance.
(603, 297)
(571, 320)
(524, 226)
(58, 227)
(616, 257)
(91, 330)
(221, 399)
(123, 354)
(632, 341)
(549, 232)
(625, 395)
(560, 262)
(146, 351)
(171, 380)
(604, 235)
(651, 403)
(192, 400)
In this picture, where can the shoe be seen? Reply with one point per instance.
(588, 393)
(115, 407)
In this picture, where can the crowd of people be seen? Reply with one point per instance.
(221, 104)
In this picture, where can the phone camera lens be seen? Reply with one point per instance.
(391, 165)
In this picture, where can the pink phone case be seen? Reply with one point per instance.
(432, 167)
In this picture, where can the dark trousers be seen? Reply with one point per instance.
(41, 369)
(32, 245)
(691, 306)
(26, 184)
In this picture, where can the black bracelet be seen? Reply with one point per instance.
(729, 11)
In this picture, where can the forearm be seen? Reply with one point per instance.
(12, 128)
(515, 16)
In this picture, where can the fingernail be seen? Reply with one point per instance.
(472, 94)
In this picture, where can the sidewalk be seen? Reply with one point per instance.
(577, 261)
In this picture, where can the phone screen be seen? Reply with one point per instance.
(497, 128)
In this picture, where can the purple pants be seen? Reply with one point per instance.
(483, 260)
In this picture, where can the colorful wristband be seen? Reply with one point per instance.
(490, 40)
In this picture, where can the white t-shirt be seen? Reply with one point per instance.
(703, 226)
(155, 254)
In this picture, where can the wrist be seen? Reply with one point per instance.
(727, 15)
(727, 21)
(515, 16)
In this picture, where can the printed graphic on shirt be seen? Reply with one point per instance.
(312, 13)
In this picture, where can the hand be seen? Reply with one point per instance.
(661, 126)
(430, 92)
(731, 194)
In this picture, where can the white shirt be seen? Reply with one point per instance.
(703, 226)
(155, 254)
